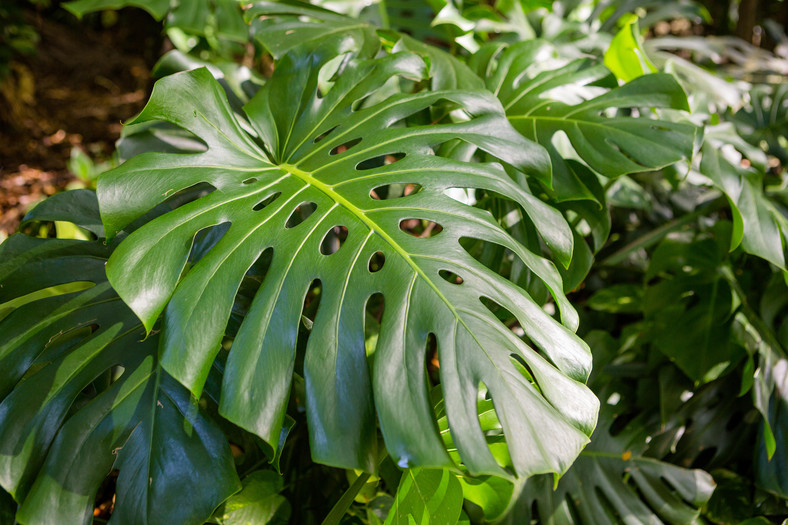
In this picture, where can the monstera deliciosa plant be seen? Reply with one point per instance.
(380, 237)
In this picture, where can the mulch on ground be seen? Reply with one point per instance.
(81, 84)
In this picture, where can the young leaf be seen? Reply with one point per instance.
(426, 496)
(626, 57)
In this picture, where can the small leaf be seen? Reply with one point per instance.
(258, 502)
(626, 57)
(426, 496)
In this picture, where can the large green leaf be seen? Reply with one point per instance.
(315, 149)
(542, 101)
(69, 415)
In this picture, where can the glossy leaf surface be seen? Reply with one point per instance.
(426, 496)
(313, 166)
(69, 415)
(540, 103)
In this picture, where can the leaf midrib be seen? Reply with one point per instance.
(373, 226)
(577, 122)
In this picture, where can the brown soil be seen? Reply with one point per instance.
(75, 91)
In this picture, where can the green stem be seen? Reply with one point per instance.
(341, 506)
(384, 14)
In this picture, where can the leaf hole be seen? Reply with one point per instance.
(394, 191)
(508, 319)
(610, 510)
(506, 263)
(206, 239)
(358, 104)
(621, 422)
(104, 501)
(525, 369)
(265, 202)
(312, 302)
(376, 262)
(250, 180)
(300, 214)
(259, 269)
(704, 458)
(250, 284)
(329, 73)
(572, 505)
(373, 315)
(333, 240)
(496, 309)
(450, 277)
(490, 425)
(309, 312)
(324, 134)
(380, 160)
(422, 228)
(432, 359)
(336, 150)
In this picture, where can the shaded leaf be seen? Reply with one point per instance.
(69, 414)
(259, 502)
(757, 225)
(611, 481)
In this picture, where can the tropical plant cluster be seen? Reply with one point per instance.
(413, 261)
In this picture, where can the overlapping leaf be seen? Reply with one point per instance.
(690, 308)
(197, 17)
(69, 414)
(766, 119)
(315, 150)
(540, 103)
(284, 26)
(426, 496)
(612, 482)
(622, 476)
(758, 225)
